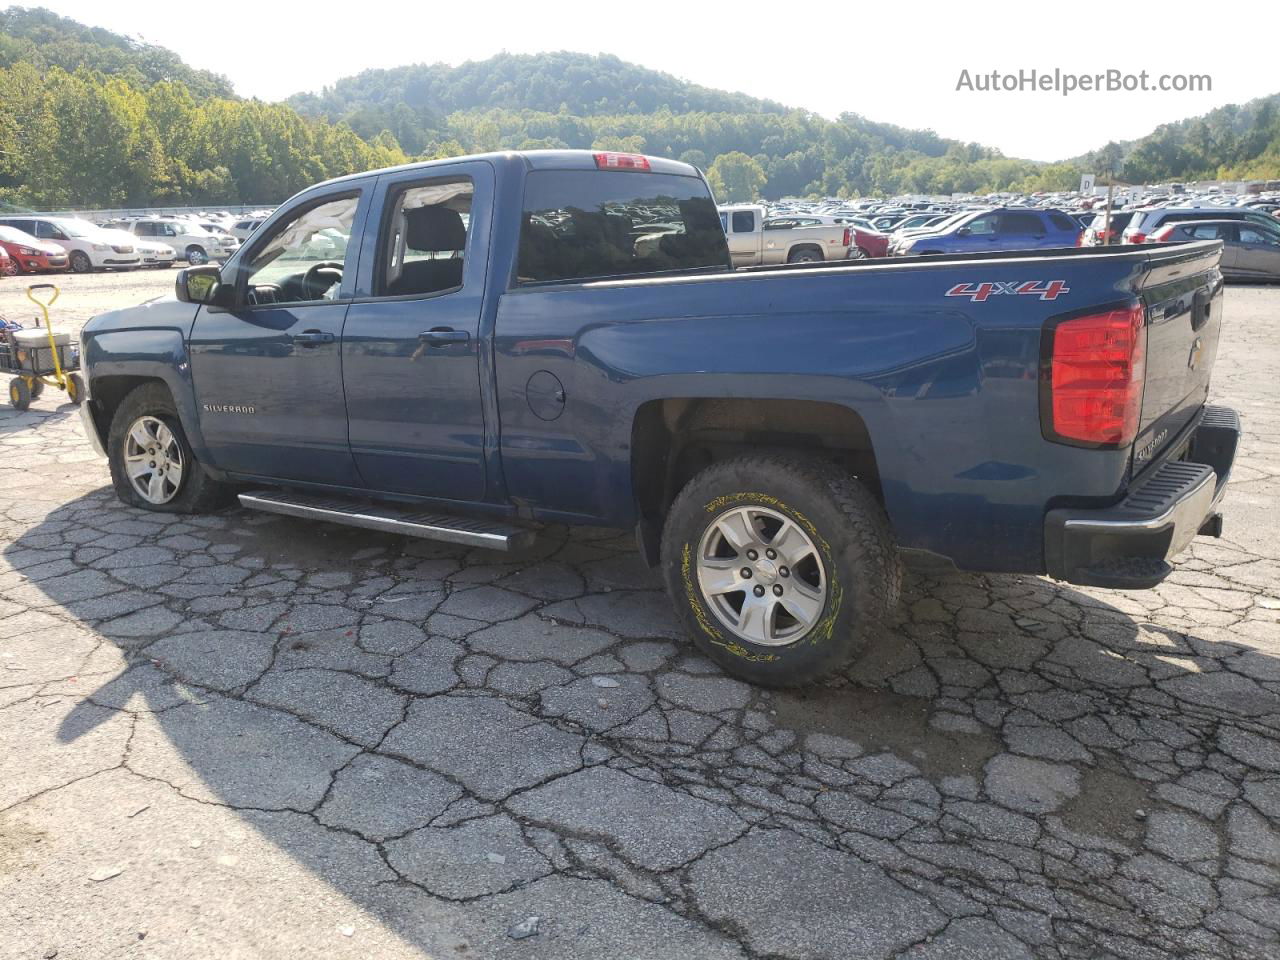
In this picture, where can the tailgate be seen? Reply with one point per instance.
(1182, 294)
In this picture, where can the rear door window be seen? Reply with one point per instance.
(744, 221)
(424, 239)
(580, 225)
(1062, 222)
(1209, 231)
(1020, 223)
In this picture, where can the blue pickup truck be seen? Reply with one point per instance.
(1011, 228)
(467, 349)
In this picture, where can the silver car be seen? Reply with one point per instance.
(1250, 251)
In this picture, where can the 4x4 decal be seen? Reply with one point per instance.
(978, 292)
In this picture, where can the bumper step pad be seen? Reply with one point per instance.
(390, 518)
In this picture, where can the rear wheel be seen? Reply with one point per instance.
(781, 568)
(80, 262)
(75, 389)
(37, 388)
(805, 255)
(152, 464)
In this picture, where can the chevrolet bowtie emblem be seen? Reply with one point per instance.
(1197, 350)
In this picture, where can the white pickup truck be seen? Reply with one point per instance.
(754, 242)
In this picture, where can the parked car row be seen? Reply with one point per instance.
(36, 243)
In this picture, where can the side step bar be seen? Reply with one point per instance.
(390, 518)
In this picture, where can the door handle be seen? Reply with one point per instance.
(443, 336)
(309, 338)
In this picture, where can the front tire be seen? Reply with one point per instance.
(19, 394)
(80, 262)
(196, 256)
(152, 464)
(781, 568)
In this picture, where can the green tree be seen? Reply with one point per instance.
(735, 178)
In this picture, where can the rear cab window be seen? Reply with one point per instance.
(590, 225)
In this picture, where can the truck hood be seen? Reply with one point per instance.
(161, 313)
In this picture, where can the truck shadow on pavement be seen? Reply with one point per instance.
(456, 741)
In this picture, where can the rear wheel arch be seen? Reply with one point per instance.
(673, 439)
(801, 251)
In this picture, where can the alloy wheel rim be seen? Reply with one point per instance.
(153, 460)
(762, 575)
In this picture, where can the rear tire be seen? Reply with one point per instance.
(805, 255)
(37, 388)
(144, 408)
(818, 616)
(75, 389)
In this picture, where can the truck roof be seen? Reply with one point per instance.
(533, 160)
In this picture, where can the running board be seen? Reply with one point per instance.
(389, 518)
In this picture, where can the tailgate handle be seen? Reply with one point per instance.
(1201, 307)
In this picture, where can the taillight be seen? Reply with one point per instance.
(1160, 236)
(1092, 376)
(1080, 240)
(848, 237)
(622, 161)
(1137, 238)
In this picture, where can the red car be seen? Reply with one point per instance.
(870, 244)
(27, 254)
(7, 267)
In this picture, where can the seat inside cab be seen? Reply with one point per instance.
(428, 239)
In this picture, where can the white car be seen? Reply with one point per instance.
(242, 228)
(192, 242)
(153, 254)
(88, 246)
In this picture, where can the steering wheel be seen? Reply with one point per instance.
(327, 272)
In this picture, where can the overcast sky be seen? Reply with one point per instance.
(889, 61)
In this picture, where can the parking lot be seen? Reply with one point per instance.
(243, 735)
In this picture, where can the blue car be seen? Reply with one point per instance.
(1003, 229)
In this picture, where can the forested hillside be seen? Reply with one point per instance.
(44, 39)
(133, 125)
(90, 118)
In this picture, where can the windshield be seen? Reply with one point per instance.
(82, 229)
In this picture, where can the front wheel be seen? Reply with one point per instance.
(80, 262)
(9, 267)
(196, 256)
(152, 464)
(19, 394)
(781, 568)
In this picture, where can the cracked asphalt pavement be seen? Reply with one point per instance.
(250, 736)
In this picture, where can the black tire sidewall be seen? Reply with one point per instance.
(79, 262)
(850, 615)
